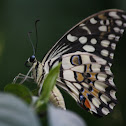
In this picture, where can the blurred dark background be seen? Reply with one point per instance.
(17, 17)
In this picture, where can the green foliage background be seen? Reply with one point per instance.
(57, 16)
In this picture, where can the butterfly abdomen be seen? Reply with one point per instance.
(56, 98)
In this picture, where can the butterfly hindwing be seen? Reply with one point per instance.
(86, 52)
(90, 80)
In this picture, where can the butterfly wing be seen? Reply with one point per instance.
(90, 81)
(98, 34)
(86, 52)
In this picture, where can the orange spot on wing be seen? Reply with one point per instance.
(75, 60)
(93, 76)
(102, 16)
(87, 104)
(80, 77)
(88, 68)
(95, 91)
(85, 92)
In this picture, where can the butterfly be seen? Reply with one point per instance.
(86, 52)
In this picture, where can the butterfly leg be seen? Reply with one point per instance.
(26, 76)
(21, 76)
(57, 99)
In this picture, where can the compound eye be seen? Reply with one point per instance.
(32, 58)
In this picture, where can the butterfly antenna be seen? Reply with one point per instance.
(36, 34)
(29, 36)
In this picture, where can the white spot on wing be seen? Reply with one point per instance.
(111, 55)
(104, 98)
(114, 15)
(102, 22)
(93, 21)
(111, 105)
(87, 29)
(113, 46)
(104, 52)
(121, 31)
(96, 67)
(100, 85)
(93, 108)
(82, 24)
(100, 60)
(117, 38)
(111, 36)
(85, 59)
(112, 93)
(83, 39)
(96, 102)
(105, 43)
(71, 38)
(101, 76)
(124, 16)
(103, 28)
(110, 64)
(89, 48)
(107, 70)
(66, 62)
(124, 24)
(71, 86)
(79, 68)
(77, 85)
(85, 85)
(116, 29)
(111, 81)
(93, 41)
(105, 111)
(118, 22)
(68, 75)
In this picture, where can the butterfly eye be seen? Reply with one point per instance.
(30, 61)
(32, 58)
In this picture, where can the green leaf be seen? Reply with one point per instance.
(20, 91)
(35, 92)
(14, 112)
(48, 85)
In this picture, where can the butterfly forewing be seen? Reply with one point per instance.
(86, 52)
(97, 34)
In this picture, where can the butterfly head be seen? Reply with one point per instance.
(31, 60)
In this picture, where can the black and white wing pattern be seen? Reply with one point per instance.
(86, 52)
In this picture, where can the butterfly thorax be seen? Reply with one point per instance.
(38, 72)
